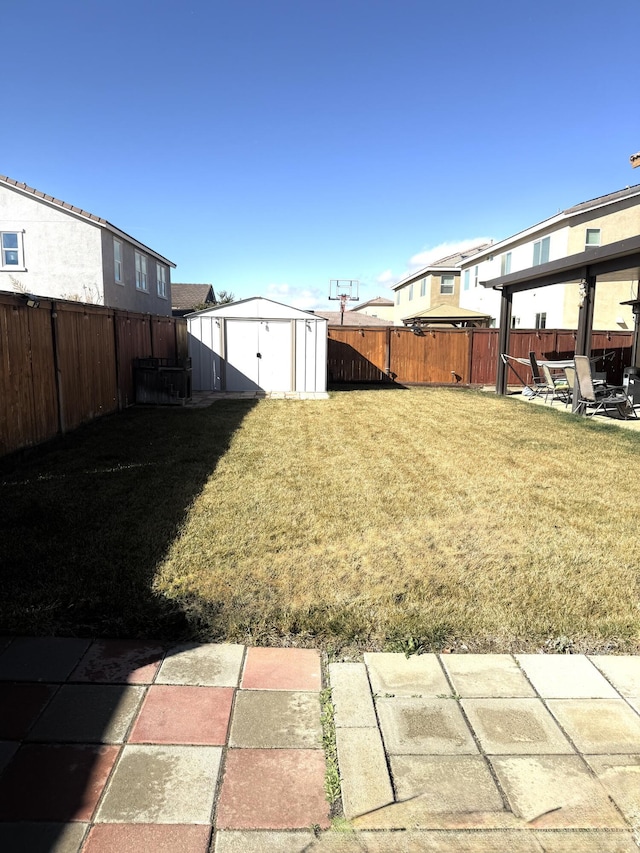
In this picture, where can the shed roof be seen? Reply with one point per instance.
(257, 307)
(25, 189)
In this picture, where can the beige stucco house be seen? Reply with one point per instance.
(52, 249)
(381, 307)
(435, 284)
(598, 222)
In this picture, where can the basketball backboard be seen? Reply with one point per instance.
(344, 289)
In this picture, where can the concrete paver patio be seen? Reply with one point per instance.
(123, 747)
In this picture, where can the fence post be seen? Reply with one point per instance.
(56, 366)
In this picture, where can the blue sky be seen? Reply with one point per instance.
(267, 146)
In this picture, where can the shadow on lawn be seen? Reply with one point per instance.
(86, 520)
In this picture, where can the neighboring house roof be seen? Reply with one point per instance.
(187, 296)
(379, 300)
(450, 263)
(560, 218)
(446, 314)
(80, 213)
(351, 318)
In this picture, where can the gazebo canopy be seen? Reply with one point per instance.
(613, 262)
(447, 315)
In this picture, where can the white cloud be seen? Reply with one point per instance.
(306, 299)
(427, 256)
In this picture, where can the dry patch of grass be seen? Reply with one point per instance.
(421, 517)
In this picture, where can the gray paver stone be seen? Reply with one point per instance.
(162, 784)
(88, 713)
(486, 676)
(623, 671)
(515, 727)
(276, 719)
(41, 658)
(364, 775)
(555, 791)
(209, 665)
(620, 776)
(586, 842)
(424, 727)
(598, 726)
(446, 783)
(255, 841)
(36, 837)
(351, 695)
(394, 673)
(565, 677)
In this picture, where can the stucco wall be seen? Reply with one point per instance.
(62, 254)
(616, 222)
(126, 295)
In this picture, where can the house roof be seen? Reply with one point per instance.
(80, 213)
(352, 318)
(189, 295)
(450, 263)
(447, 313)
(562, 216)
(379, 300)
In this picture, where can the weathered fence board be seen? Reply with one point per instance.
(455, 356)
(64, 363)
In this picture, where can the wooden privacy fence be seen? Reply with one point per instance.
(454, 356)
(65, 363)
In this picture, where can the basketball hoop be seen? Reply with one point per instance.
(343, 290)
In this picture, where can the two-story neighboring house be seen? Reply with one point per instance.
(379, 307)
(435, 285)
(598, 222)
(52, 249)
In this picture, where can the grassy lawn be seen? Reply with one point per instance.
(398, 519)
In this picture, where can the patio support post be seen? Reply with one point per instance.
(585, 316)
(504, 330)
(585, 325)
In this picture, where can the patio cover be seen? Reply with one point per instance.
(613, 262)
(449, 315)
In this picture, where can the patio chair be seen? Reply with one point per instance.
(557, 387)
(540, 387)
(601, 398)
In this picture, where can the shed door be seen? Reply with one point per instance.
(258, 355)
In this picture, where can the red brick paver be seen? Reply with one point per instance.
(147, 838)
(55, 783)
(282, 669)
(184, 715)
(273, 789)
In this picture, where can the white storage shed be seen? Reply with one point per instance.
(258, 345)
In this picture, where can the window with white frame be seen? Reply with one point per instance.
(592, 237)
(447, 283)
(475, 276)
(505, 264)
(541, 251)
(117, 261)
(467, 277)
(541, 320)
(398, 298)
(161, 279)
(141, 272)
(423, 287)
(410, 292)
(11, 248)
